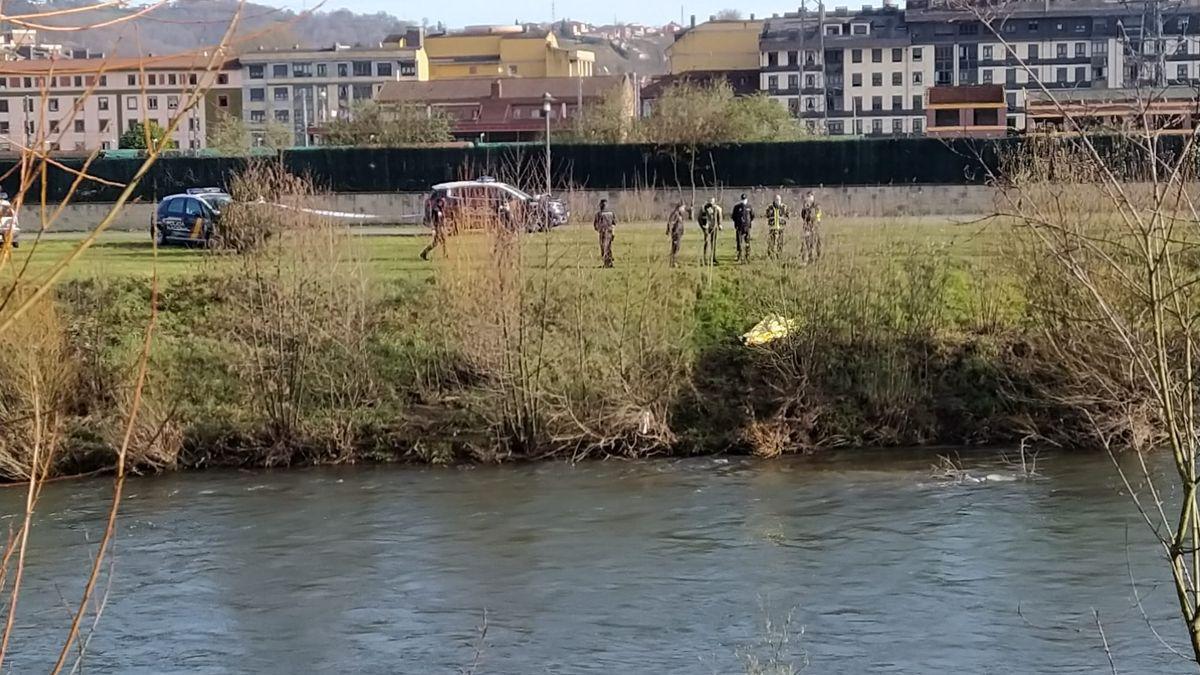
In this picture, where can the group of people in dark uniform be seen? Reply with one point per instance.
(710, 219)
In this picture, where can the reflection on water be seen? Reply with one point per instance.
(656, 567)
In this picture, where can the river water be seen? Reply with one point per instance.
(651, 567)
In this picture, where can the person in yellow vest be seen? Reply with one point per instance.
(777, 215)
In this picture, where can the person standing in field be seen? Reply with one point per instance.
(743, 219)
(710, 223)
(810, 213)
(437, 218)
(605, 223)
(675, 225)
(777, 215)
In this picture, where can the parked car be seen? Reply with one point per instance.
(189, 218)
(471, 203)
(10, 230)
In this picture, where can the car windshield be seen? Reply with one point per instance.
(216, 202)
(520, 193)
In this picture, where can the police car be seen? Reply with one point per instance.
(9, 229)
(189, 218)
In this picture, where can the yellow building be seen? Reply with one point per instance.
(716, 46)
(504, 51)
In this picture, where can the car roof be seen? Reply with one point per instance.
(197, 196)
(468, 183)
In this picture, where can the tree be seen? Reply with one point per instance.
(229, 135)
(278, 136)
(144, 136)
(690, 113)
(371, 124)
(729, 15)
(611, 120)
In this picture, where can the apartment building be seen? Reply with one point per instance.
(846, 73)
(504, 51)
(304, 88)
(868, 72)
(81, 105)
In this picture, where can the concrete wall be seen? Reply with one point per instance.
(396, 208)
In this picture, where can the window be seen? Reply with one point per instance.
(258, 94)
(192, 79)
(945, 118)
(131, 103)
(897, 55)
(54, 126)
(855, 56)
(363, 92)
(916, 54)
(1033, 26)
(222, 102)
(1061, 50)
(253, 72)
(279, 70)
(343, 92)
(773, 82)
(1060, 75)
(281, 93)
(876, 103)
(52, 105)
(810, 81)
(1100, 47)
(1010, 76)
(917, 125)
(322, 70)
(1181, 72)
(78, 81)
(27, 83)
(343, 70)
(917, 77)
(897, 79)
(80, 127)
(3, 105)
(153, 79)
(876, 56)
(772, 59)
(362, 68)
(876, 79)
(104, 126)
(987, 53)
(1011, 122)
(794, 58)
(793, 81)
(856, 80)
(193, 124)
(1080, 49)
(897, 102)
(258, 116)
(132, 80)
(408, 69)
(877, 126)
(857, 104)
(30, 127)
(1033, 52)
(4, 128)
(151, 103)
(1080, 74)
(281, 115)
(968, 29)
(860, 29)
(897, 126)
(987, 117)
(836, 128)
(301, 69)
(1010, 99)
(916, 102)
(987, 76)
(858, 127)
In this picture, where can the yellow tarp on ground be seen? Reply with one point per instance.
(772, 327)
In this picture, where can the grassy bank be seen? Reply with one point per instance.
(328, 347)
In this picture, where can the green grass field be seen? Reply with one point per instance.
(394, 257)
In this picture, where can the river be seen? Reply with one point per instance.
(613, 567)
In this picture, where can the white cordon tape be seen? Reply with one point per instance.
(346, 215)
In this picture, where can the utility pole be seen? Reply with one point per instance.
(304, 114)
(547, 106)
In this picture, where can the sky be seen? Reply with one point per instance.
(457, 13)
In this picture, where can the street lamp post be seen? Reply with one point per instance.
(547, 100)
